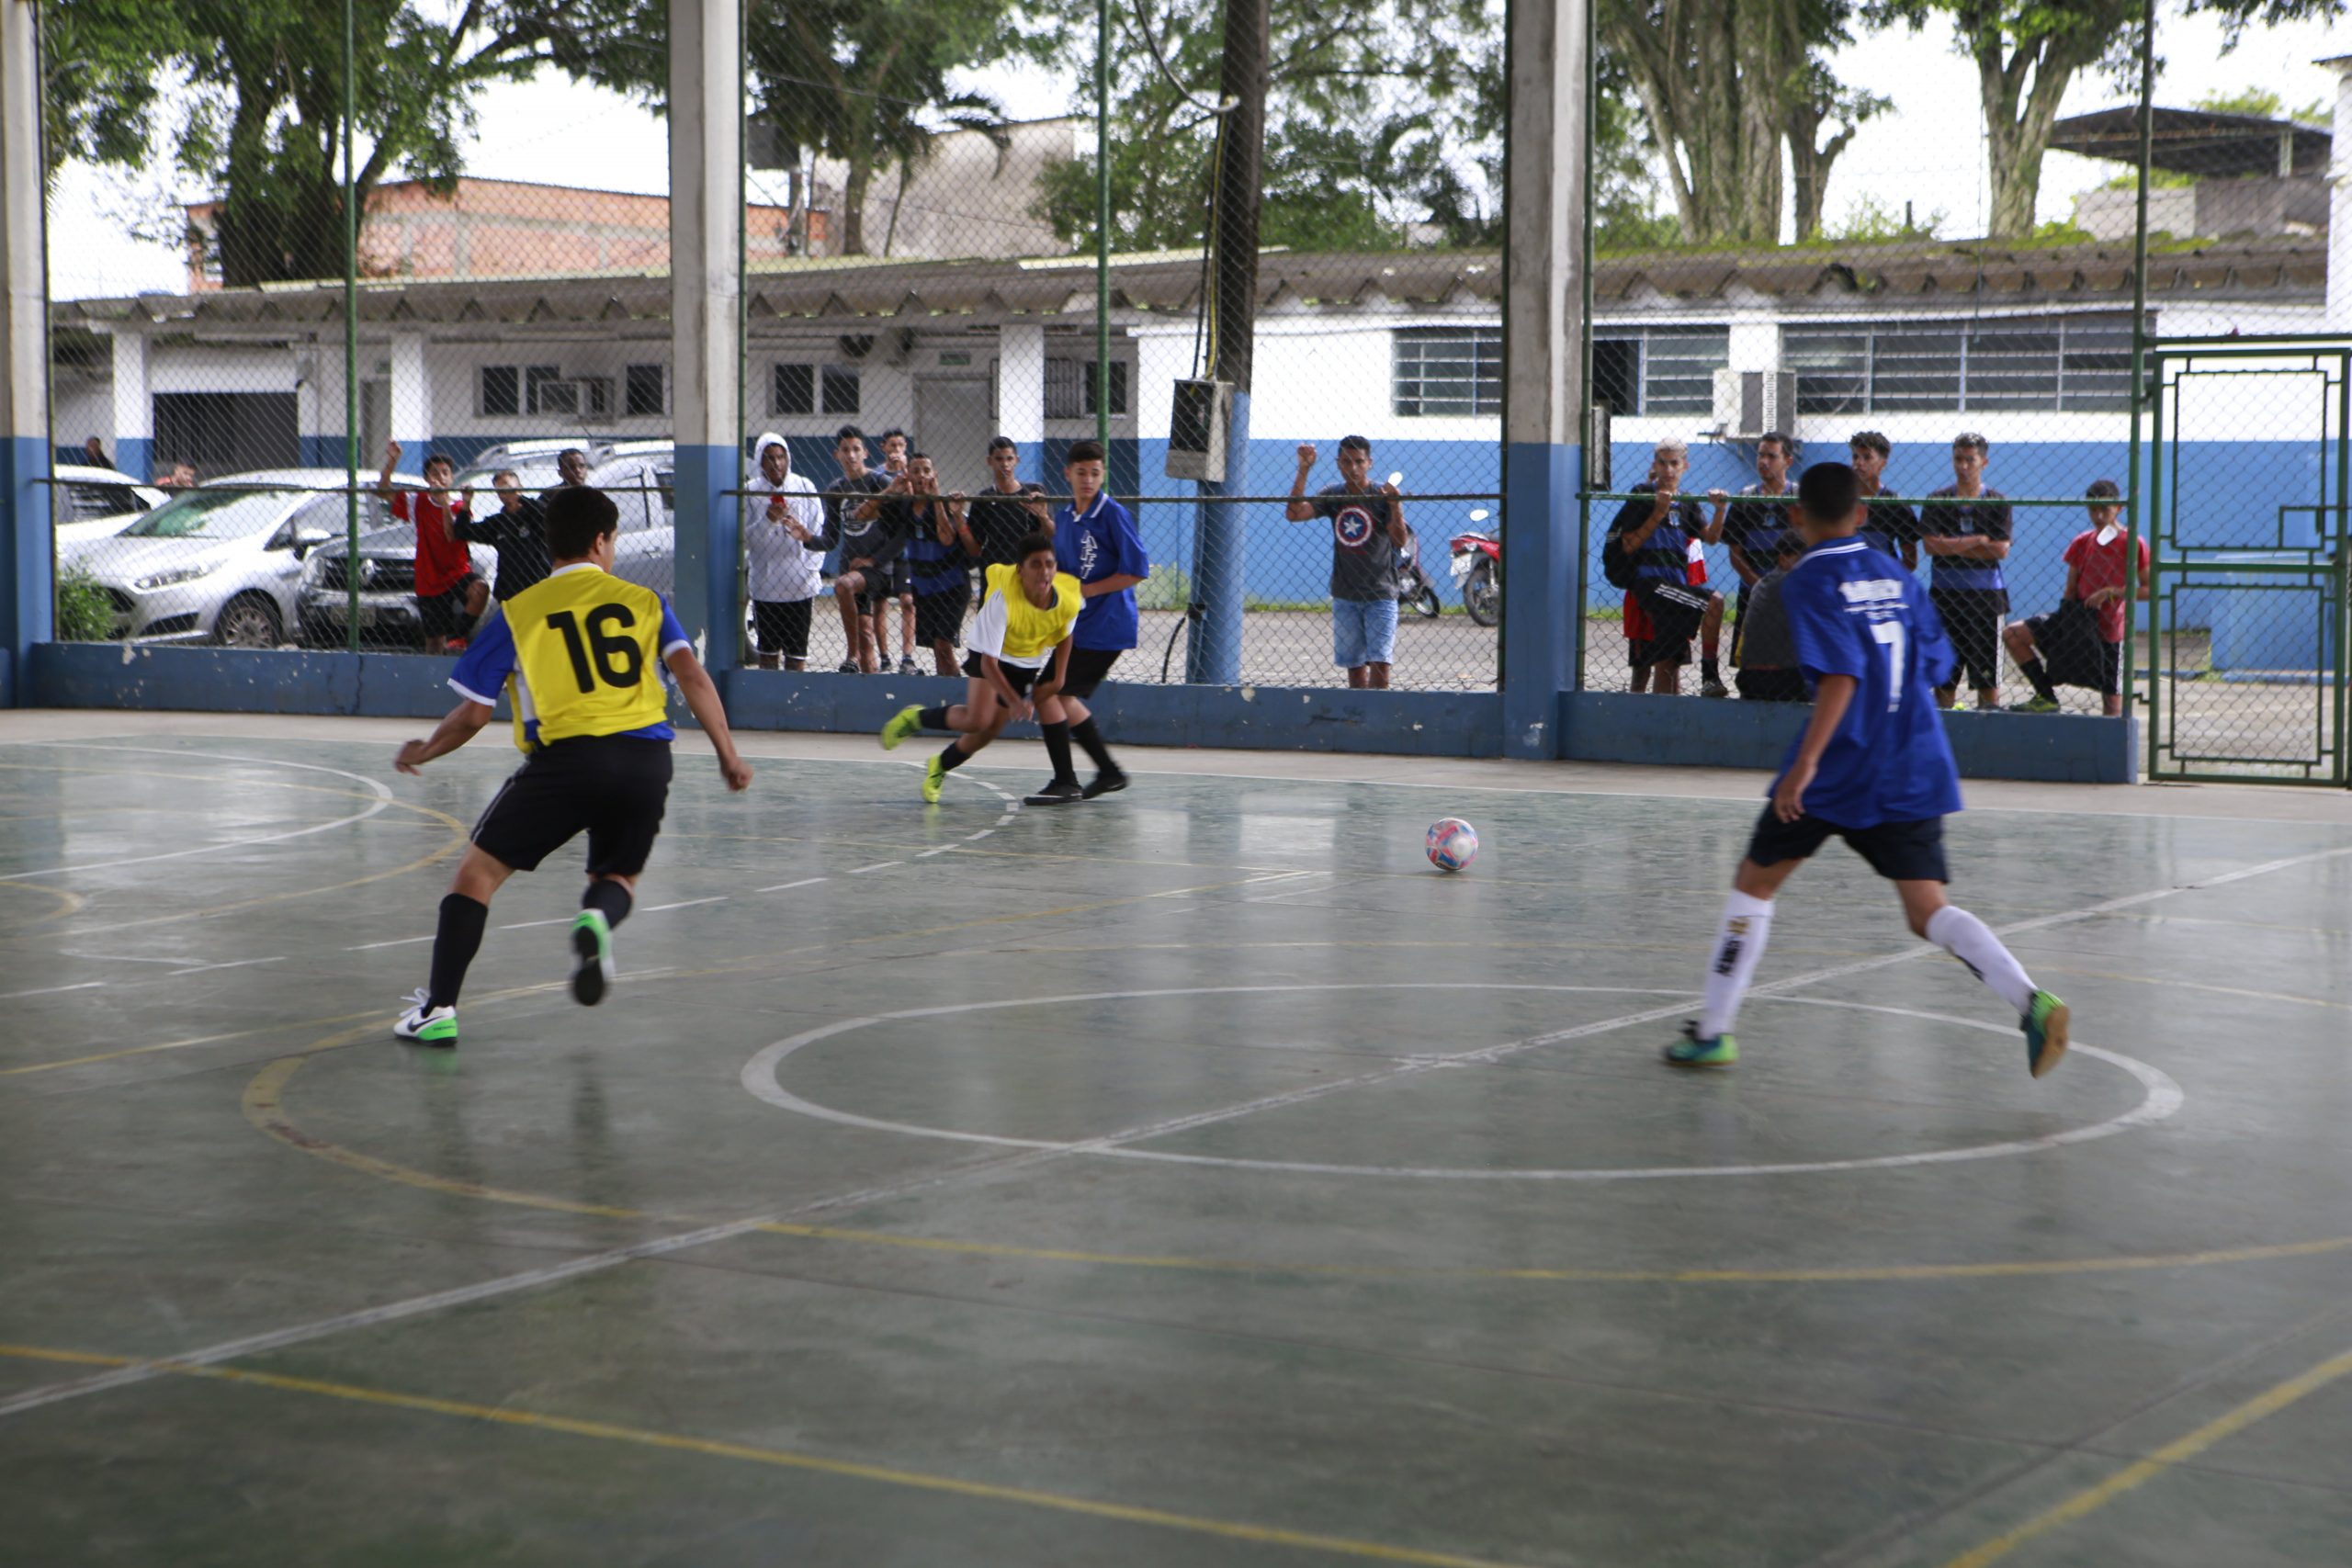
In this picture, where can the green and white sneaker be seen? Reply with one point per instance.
(2034, 705)
(2045, 1032)
(591, 966)
(933, 778)
(903, 723)
(427, 1025)
(1692, 1051)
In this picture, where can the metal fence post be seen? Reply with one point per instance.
(1547, 71)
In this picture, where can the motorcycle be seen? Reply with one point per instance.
(1414, 590)
(1478, 568)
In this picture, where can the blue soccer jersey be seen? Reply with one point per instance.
(1852, 611)
(1102, 542)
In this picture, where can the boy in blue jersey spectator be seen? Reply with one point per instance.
(937, 573)
(1889, 527)
(1968, 541)
(1872, 767)
(1095, 541)
(1655, 534)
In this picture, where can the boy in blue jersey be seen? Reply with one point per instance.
(580, 654)
(1094, 541)
(1873, 767)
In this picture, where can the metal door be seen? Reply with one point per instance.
(955, 418)
(2249, 457)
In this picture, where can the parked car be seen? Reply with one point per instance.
(643, 487)
(97, 503)
(220, 561)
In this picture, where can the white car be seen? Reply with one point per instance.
(93, 504)
(221, 563)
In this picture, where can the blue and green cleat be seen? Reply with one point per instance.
(903, 723)
(1692, 1051)
(2045, 1032)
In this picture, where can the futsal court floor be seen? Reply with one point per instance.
(1195, 1176)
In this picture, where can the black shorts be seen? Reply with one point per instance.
(1087, 667)
(1675, 611)
(939, 618)
(781, 626)
(1971, 619)
(612, 787)
(1020, 679)
(1900, 852)
(443, 614)
(1772, 686)
(2075, 655)
(882, 586)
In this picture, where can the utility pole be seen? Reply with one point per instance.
(1214, 656)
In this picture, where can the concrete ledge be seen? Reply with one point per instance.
(1292, 719)
(235, 680)
(1616, 727)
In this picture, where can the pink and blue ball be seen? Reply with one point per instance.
(1452, 843)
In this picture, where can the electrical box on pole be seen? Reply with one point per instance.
(1196, 430)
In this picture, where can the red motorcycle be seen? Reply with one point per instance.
(1478, 570)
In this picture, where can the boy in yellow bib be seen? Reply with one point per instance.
(579, 655)
(1015, 659)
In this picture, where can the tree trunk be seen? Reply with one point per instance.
(1709, 75)
(853, 185)
(2018, 123)
(1809, 165)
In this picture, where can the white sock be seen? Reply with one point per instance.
(1740, 946)
(1972, 942)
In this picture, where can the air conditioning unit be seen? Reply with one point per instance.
(1596, 446)
(1748, 404)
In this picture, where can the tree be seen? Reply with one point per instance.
(2028, 52)
(261, 115)
(1724, 84)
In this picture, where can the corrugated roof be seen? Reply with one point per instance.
(1845, 278)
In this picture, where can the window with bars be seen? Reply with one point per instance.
(1447, 371)
(1654, 370)
(1069, 388)
(643, 387)
(794, 388)
(2043, 365)
(502, 390)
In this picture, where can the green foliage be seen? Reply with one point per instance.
(1873, 221)
(84, 614)
(1168, 588)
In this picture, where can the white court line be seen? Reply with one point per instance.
(685, 903)
(407, 940)
(232, 963)
(383, 803)
(117, 958)
(520, 925)
(51, 990)
(507, 1284)
(926, 854)
(788, 886)
(879, 865)
(2163, 1096)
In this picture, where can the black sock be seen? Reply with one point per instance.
(2037, 673)
(933, 718)
(1708, 669)
(1057, 750)
(608, 898)
(953, 758)
(1090, 738)
(453, 946)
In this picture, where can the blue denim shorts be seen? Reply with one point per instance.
(1364, 631)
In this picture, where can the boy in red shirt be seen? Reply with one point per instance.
(2081, 642)
(450, 593)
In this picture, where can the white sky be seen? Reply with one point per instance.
(556, 132)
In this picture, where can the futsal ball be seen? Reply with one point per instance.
(1453, 843)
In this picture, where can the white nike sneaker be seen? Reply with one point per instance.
(427, 1025)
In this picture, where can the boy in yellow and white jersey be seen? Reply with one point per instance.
(579, 655)
(1015, 658)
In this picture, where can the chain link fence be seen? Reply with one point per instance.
(944, 291)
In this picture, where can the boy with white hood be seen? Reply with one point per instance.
(783, 524)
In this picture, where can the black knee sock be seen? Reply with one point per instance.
(1708, 669)
(1090, 738)
(933, 718)
(608, 898)
(1057, 750)
(953, 758)
(453, 946)
(2038, 673)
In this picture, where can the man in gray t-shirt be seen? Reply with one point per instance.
(1367, 530)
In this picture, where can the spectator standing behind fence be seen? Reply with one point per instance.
(1367, 530)
(897, 448)
(784, 526)
(1008, 511)
(1768, 670)
(95, 451)
(517, 532)
(450, 593)
(860, 539)
(1669, 463)
(1968, 539)
(1753, 524)
(1888, 527)
(936, 574)
(1655, 538)
(2081, 642)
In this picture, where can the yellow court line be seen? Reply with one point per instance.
(263, 1104)
(68, 902)
(2091, 1499)
(782, 1458)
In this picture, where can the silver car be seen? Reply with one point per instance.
(221, 563)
